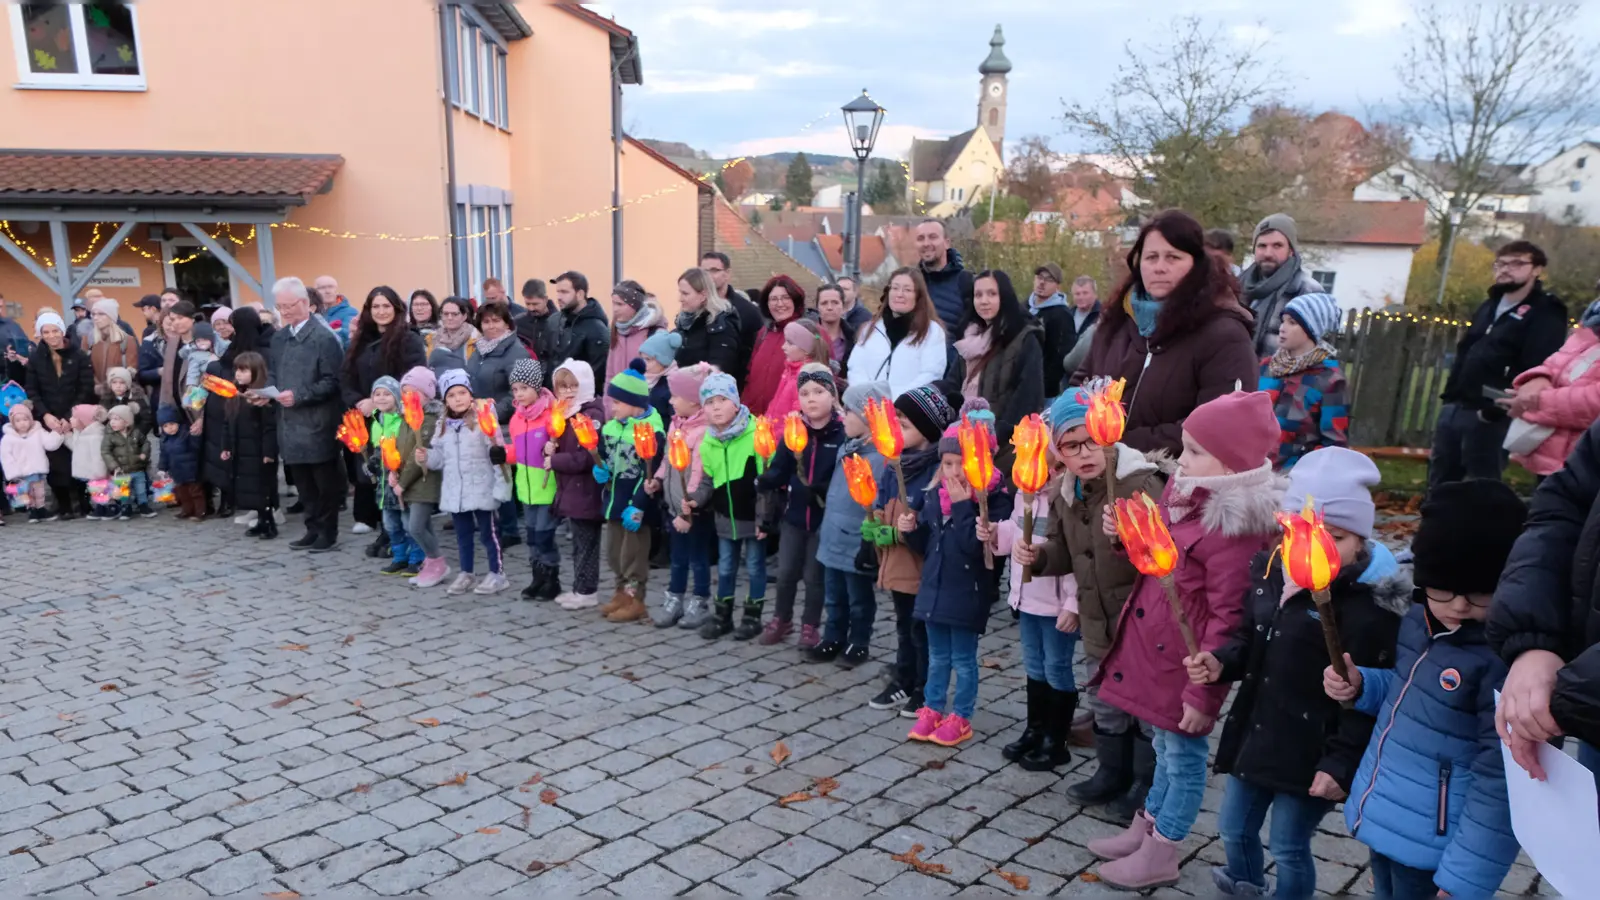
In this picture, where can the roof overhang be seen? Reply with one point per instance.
(506, 19)
(624, 44)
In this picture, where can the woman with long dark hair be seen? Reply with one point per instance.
(782, 301)
(381, 343)
(1175, 330)
(1000, 354)
(904, 344)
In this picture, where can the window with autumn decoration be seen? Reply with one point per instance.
(88, 45)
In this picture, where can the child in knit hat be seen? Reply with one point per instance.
(728, 488)
(924, 413)
(1305, 382)
(955, 594)
(200, 352)
(405, 555)
(848, 596)
(180, 458)
(802, 344)
(622, 473)
(1075, 544)
(1221, 510)
(660, 352)
(1286, 747)
(420, 487)
(468, 459)
(121, 389)
(579, 498)
(805, 476)
(1429, 796)
(532, 477)
(24, 445)
(88, 463)
(692, 536)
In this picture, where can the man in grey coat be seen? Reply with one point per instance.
(1275, 278)
(305, 362)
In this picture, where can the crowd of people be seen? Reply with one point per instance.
(649, 439)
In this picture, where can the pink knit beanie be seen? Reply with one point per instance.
(1239, 429)
(685, 383)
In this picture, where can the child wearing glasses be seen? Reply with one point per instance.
(1429, 798)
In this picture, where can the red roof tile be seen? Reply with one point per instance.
(66, 175)
(754, 258)
(1391, 222)
(872, 251)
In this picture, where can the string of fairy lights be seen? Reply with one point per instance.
(1424, 319)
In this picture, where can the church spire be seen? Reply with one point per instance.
(996, 64)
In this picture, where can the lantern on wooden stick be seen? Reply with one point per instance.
(1311, 561)
(1153, 552)
(1030, 471)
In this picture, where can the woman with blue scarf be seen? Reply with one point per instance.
(1177, 334)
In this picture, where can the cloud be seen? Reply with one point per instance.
(1251, 35)
(1366, 18)
(690, 82)
(743, 22)
(894, 141)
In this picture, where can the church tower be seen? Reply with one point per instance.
(992, 92)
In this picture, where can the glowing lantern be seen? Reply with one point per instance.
(1107, 417)
(766, 444)
(1153, 552)
(858, 475)
(794, 433)
(411, 408)
(488, 420)
(1311, 561)
(391, 454)
(1030, 471)
(558, 422)
(588, 438)
(884, 425)
(222, 387)
(352, 431)
(678, 450)
(977, 463)
(644, 441)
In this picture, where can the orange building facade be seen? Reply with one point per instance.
(413, 144)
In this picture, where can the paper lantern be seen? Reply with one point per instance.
(644, 440)
(678, 450)
(222, 387)
(411, 408)
(766, 444)
(1146, 538)
(1031, 469)
(858, 474)
(795, 435)
(1107, 416)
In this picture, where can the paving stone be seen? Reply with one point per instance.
(235, 875)
(616, 857)
(698, 862)
(754, 879)
(799, 855)
(411, 873)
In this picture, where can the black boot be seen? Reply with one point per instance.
(1144, 770)
(269, 528)
(536, 585)
(262, 518)
(552, 583)
(379, 546)
(1055, 749)
(750, 622)
(721, 620)
(1033, 732)
(1115, 775)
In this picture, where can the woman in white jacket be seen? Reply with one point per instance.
(904, 344)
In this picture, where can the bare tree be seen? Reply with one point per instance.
(1491, 88)
(1029, 174)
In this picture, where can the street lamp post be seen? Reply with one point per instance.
(1458, 214)
(861, 120)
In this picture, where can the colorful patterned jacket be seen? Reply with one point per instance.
(1312, 408)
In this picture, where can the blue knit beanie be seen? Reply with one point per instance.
(719, 384)
(1318, 314)
(662, 347)
(384, 382)
(628, 386)
(1067, 412)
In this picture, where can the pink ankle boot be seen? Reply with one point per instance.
(1154, 864)
(432, 572)
(1127, 843)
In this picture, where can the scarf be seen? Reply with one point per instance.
(455, 338)
(973, 348)
(648, 316)
(1143, 310)
(741, 420)
(1257, 286)
(1282, 364)
(487, 344)
(896, 326)
(685, 319)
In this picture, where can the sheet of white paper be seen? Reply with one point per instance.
(1557, 821)
(271, 393)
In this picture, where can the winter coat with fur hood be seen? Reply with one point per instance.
(1219, 523)
(22, 455)
(578, 495)
(88, 463)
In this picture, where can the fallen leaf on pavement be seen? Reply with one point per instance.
(427, 723)
(109, 687)
(1034, 840)
(780, 752)
(356, 703)
(1020, 882)
(279, 895)
(749, 770)
(527, 786)
(51, 612)
(627, 675)
(461, 778)
(361, 789)
(548, 797)
(990, 663)
(933, 764)
(294, 647)
(796, 797)
(18, 850)
(537, 866)
(1089, 876)
(66, 717)
(712, 766)
(481, 694)
(826, 786)
(497, 831)
(911, 859)
(285, 701)
(348, 640)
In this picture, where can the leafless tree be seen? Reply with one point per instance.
(1491, 88)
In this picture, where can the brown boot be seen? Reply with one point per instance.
(617, 601)
(632, 609)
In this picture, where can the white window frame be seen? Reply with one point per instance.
(484, 232)
(74, 81)
(1332, 277)
(481, 84)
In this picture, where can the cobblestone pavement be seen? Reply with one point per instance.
(188, 712)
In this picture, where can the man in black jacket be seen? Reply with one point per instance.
(949, 282)
(1049, 306)
(585, 332)
(716, 264)
(539, 328)
(1514, 330)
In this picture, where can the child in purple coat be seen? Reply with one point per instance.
(578, 495)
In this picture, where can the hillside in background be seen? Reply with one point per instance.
(769, 169)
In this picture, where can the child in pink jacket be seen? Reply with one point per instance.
(24, 446)
(1220, 509)
(1562, 393)
(694, 536)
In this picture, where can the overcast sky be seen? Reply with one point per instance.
(757, 76)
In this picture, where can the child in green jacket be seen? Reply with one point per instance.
(728, 487)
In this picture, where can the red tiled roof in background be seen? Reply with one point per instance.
(872, 251)
(1384, 222)
(115, 175)
(754, 258)
(902, 243)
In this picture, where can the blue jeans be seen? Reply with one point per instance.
(507, 519)
(467, 523)
(541, 525)
(755, 561)
(851, 607)
(1294, 819)
(952, 648)
(402, 549)
(691, 552)
(1394, 881)
(138, 491)
(1179, 783)
(1047, 653)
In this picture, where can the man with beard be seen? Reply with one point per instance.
(1514, 330)
(949, 282)
(538, 328)
(585, 332)
(1275, 279)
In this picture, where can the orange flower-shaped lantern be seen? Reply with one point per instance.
(678, 457)
(391, 454)
(766, 444)
(488, 420)
(858, 475)
(1311, 561)
(644, 441)
(1030, 471)
(411, 408)
(1153, 552)
(558, 422)
(884, 424)
(588, 438)
(1107, 417)
(977, 463)
(352, 431)
(220, 386)
(795, 436)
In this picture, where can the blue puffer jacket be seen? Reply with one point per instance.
(1431, 790)
(180, 453)
(956, 589)
(839, 539)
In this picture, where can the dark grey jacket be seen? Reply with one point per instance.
(491, 374)
(308, 364)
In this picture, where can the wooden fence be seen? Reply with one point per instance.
(1396, 367)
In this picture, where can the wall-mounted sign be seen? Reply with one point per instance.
(111, 276)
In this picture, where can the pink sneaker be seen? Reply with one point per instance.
(952, 730)
(927, 724)
(809, 637)
(775, 632)
(432, 572)
(1125, 844)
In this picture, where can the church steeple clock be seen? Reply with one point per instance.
(993, 87)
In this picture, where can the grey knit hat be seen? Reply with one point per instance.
(857, 395)
(1282, 224)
